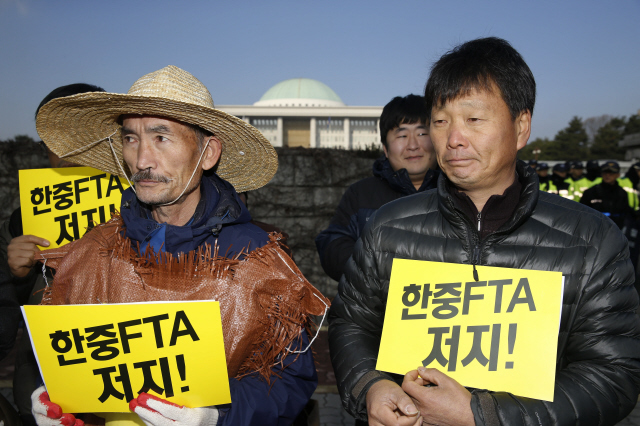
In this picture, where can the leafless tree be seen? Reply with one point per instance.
(593, 124)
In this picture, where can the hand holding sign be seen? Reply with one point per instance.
(447, 403)
(500, 333)
(20, 253)
(388, 404)
(159, 412)
(47, 413)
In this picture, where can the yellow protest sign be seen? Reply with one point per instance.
(499, 333)
(60, 204)
(96, 358)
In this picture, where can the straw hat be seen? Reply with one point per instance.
(79, 127)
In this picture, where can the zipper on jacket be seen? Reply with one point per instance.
(475, 259)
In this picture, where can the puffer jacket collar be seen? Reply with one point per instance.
(399, 180)
(528, 200)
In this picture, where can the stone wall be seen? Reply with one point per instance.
(301, 198)
(16, 156)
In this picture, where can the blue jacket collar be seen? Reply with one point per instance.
(219, 207)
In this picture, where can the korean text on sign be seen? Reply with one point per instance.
(96, 358)
(499, 333)
(60, 205)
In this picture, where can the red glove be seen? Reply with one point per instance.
(47, 413)
(160, 412)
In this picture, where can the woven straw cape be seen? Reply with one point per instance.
(265, 301)
(80, 127)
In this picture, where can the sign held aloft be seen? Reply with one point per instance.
(61, 204)
(96, 358)
(499, 333)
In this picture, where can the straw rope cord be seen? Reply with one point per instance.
(133, 188)
(326, 309)
(87, 146)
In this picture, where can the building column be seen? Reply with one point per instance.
(279, 132)
(313, 139)
(347, 134)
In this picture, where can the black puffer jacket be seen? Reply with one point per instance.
(360, 201)
(598, 361)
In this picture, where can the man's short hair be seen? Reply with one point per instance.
(478, 65)
(402, 110)
(68, 90)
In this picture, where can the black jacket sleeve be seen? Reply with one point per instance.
(9, 318)
(358, 204)
(335, 244)
(10, 315)
(355, 327)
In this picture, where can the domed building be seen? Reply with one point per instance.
(308, 113)
(300, 92)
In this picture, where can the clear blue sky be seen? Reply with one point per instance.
(585, 54)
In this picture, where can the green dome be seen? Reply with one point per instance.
(300, 92)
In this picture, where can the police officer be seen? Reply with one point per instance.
(546, 184)
(630, 183)
(559, 179)
(578, 183)
(593, 171)
(608, 196)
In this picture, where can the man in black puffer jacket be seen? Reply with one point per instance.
(488, 210)
(406, 168)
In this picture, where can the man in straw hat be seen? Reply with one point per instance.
(166, 137)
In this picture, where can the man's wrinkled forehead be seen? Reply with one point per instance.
(159, 127)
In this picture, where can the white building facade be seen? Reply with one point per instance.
(302, 112)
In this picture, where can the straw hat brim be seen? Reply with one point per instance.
(81, 124)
